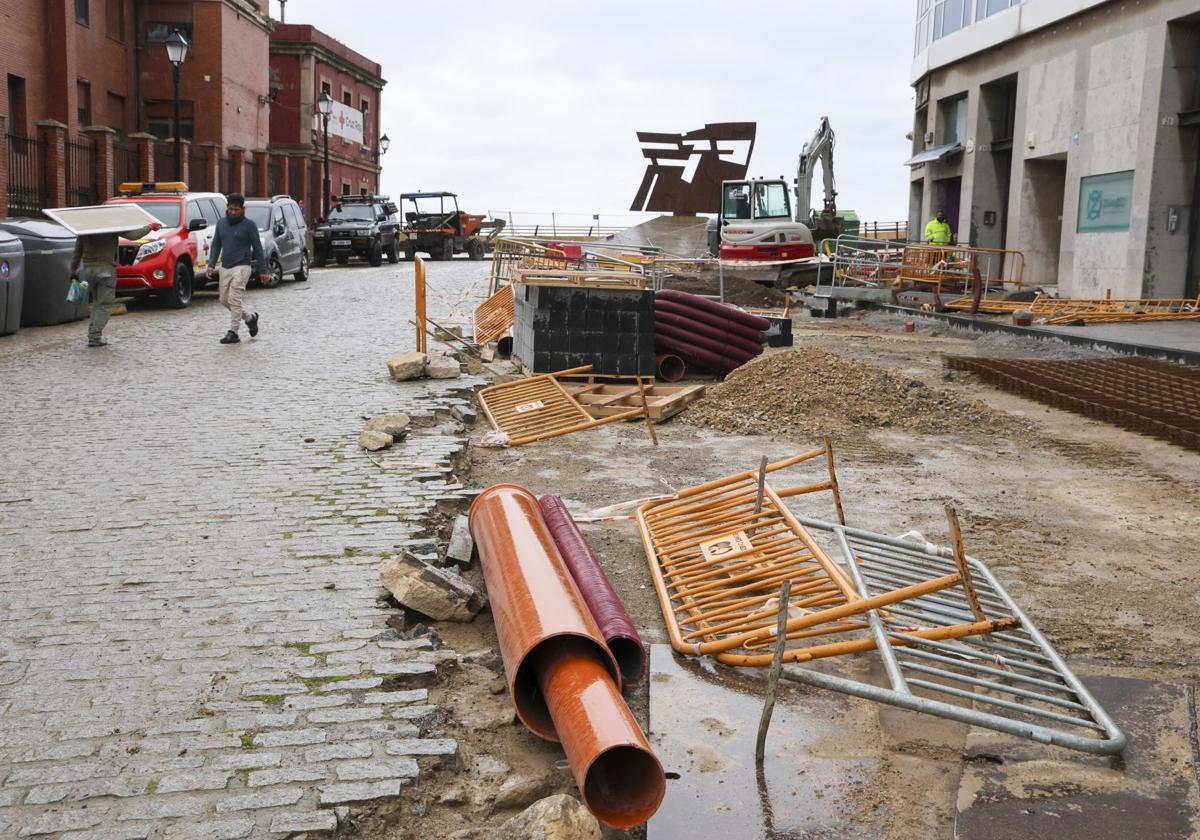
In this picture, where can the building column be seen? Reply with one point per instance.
(145, 145)
(54, 135)
(264, 174)
(4, 168)
(61, 66)
(103, 137)
(237, 154)
(303, 191)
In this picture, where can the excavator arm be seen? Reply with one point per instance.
(818, 149)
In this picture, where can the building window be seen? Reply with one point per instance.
(347, 98)
(939, 18)
(326, 88)
(81, 12)
(16, 105)
(83, 103)
(1105, 202)
(346, 188)
(157, 31)
(116, 113)
(952, 120)
(115, 19)
(160, 118)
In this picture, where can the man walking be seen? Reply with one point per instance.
(95, 263)
(937, 232)
(237, 237)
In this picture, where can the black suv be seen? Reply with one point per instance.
(363, 226)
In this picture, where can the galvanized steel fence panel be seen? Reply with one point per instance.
(27, 193)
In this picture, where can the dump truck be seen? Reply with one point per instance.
(434, 225)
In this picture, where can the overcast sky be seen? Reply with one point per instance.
(532, 107)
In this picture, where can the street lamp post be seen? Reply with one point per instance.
(384, 142)
(325, 108)
(177, 50)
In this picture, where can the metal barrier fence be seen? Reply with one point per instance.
(226, 185)
(27, 193)
(127, 162)
(164, 162)
(199, 167)
(252, 169)
(274, 178)
(858, 261)
(890, 231)
(83, 183)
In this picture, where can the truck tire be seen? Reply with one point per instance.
(375, 257)
(448, 248)
(393, 252)
(410, 251)
(180, 293)
(319, 258)
(475, 250)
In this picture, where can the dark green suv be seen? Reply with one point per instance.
(363, 226)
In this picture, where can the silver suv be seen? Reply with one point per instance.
(284, 237)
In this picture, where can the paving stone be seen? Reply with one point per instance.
(360, 792)
(245, 759)
(310, 821)
(344, 715)
(286, 775)
(422, 746)
(358, 749)
(356, 771)
(266, 799)
(353, 685)
(216, 830)
(175, 805)
(412, 673)
(416, 695)
(310, 701)
(196, 780)
(289, 738)
(56, 821)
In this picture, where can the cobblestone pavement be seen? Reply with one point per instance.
(192, 642)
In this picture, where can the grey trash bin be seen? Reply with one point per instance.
(12, 282)
(48, 250)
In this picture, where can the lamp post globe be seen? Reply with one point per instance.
(384, 142)
(325, 108)
(177, 50)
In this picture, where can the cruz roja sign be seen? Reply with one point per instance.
(344, 122)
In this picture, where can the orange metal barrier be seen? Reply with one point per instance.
(952, 266)
(419, 298)
(562, 678)
(1069, 311)
(539, 408)
(495, 316)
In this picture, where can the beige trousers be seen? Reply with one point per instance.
(233, 286)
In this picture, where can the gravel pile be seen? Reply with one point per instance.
(815, 391)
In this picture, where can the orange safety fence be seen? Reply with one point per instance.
(495, 316)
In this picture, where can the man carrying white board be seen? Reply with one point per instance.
(95, 262)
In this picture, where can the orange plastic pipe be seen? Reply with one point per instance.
(564, 682)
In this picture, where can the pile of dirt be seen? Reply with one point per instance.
(739, 290)
(816, 391)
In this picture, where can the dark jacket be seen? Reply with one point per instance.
(239, 242)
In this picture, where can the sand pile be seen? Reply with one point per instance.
(812, 390)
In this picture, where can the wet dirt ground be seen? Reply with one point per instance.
(1087, 525)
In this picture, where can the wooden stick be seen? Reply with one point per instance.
(762, 480)
(646, 413)
(960, 560)
(764, 722)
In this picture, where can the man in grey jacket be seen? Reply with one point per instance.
(95, 261)
(237, 241)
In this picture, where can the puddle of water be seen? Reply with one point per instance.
(703, 726)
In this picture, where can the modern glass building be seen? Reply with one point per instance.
(1068, 130)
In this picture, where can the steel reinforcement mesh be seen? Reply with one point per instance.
(1150, 397)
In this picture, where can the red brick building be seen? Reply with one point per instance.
(305, 62)
(88, 101)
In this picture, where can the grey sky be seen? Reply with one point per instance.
(532, 107)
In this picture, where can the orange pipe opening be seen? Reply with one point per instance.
(564, 682)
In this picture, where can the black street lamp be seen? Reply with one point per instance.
(384, 142)
(177, 50)
(325, 108)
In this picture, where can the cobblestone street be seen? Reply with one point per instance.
(192, 642)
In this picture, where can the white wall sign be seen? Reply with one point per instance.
(344, 121)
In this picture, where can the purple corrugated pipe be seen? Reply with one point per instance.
(735, 354)
(602, 601)
(718, 321)
(695, 327)
(754, 322)
(695, 356)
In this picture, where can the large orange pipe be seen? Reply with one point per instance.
(563, 680)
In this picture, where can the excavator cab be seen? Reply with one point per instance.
(756, 223)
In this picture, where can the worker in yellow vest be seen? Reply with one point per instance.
(937, 232)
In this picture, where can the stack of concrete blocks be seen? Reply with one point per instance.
(565, 327)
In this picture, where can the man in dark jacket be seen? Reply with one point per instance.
(237, 241)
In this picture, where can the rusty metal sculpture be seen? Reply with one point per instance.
(675, 183)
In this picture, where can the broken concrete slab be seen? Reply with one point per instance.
(373, 441)
(440, 594)
(407, 366)
(1015, 788)
(442, 367)
(395, 425)
(462, 545)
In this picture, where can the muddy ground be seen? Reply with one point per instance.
(1086, 524)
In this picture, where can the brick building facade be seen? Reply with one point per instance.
(88, 101)
(305, 62)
